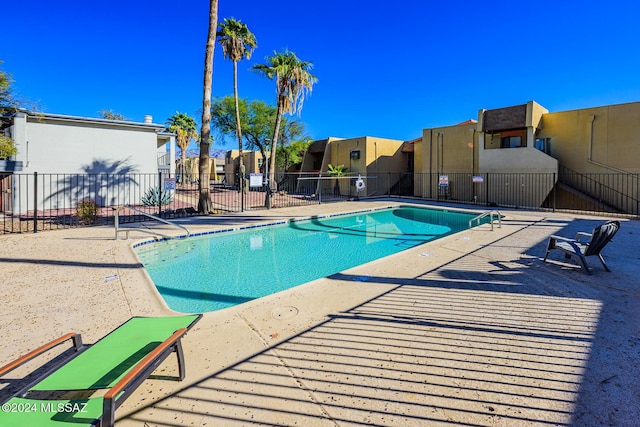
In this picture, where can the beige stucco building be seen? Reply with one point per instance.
(381, 163)
(522, 155)
(252, 161)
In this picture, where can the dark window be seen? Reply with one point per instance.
(544, 145)
(511, 142)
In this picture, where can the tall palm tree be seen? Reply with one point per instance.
(293, 81)
(237, 43)
(186, 130)
(204, 191)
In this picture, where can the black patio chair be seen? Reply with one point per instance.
(599, 238)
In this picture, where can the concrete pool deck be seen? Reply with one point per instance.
(472, 329)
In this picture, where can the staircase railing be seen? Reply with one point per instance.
(601, 190)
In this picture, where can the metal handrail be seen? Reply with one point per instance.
(490, 214)
(578, 180)
(127, 230)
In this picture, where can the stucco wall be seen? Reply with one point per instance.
(596, 140)
(383, 156)
(59, 147)
(81, 158)
(516, 160)
(448, 150)
(377, 157)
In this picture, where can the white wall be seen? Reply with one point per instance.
(59, 147)
(117, 161)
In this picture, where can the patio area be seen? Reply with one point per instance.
(472, 329)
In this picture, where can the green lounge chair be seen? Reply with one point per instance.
(598, 239)
(66, 394)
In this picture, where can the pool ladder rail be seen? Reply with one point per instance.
(144, 230)
(490, 215)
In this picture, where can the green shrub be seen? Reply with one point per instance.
(87, 211)
(7, 147)
(153, 194)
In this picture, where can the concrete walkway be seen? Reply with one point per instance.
(472, 329)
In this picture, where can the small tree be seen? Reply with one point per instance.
(7, 100)
(186, 130)
(7, 147)
(258, 120)
(111, 115)
(292, 154)
(336, 171)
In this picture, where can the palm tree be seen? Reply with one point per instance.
(204, 191)
(185, 129)
(293, 82)
(237, 43)
(336, 171)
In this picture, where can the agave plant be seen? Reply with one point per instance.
(153, 197)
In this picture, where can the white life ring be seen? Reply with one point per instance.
(360, 185)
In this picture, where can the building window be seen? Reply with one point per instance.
(544, 145)
(511, 142)
(515, 138)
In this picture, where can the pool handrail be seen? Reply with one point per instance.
(490, 214)
(157, 218)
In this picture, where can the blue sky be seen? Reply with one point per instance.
(385, 69)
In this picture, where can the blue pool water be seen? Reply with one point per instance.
(216, 271)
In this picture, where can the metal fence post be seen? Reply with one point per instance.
(116, 220)
(160, 194)
(555, 184)
(267, 195)
(35, 202)
(487, 190)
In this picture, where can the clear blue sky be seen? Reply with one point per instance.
(385, 68)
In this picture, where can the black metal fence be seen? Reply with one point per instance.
(606, 194)
(35, 202)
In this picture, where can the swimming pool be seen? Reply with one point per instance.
(219, 270)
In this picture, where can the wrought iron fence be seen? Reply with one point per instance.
(35, 202)
(609, 192)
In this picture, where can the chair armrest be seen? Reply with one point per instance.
(566, 239)
(580, 234)
(77, 344)
(135, 376)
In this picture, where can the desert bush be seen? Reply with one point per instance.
(87, 211)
